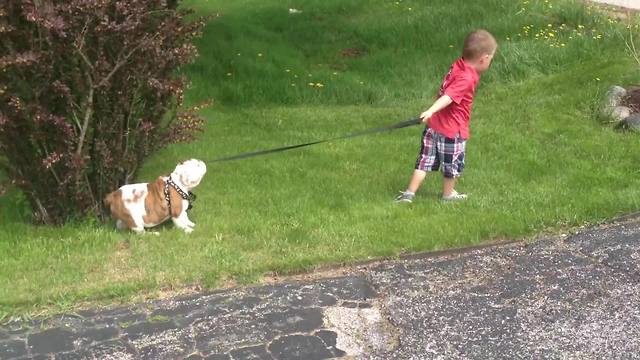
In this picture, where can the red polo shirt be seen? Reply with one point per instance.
(460, 85)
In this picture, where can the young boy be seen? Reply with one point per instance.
(447, 120)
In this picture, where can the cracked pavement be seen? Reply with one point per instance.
(554, 298)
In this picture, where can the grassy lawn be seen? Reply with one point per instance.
(539, 158)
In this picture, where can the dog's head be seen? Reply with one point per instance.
(189, 173)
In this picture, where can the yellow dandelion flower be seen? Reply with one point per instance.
(287, 70)
(319, 85)
(312, 84)
(597, 79)
(259, 54)
(229, 74)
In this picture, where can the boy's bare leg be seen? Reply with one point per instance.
(416, 180)
(447, 186)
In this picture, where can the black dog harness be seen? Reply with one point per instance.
(190, 197)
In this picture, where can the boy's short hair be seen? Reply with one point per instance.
(478, 43)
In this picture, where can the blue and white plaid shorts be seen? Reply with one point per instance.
(439, 150)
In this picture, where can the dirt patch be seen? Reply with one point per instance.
(122, 245)
(353, 53)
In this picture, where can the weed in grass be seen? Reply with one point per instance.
(158, 318)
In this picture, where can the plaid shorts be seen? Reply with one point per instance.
(439, 150)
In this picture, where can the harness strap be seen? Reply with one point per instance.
(190, 197)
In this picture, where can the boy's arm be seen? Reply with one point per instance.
(438, 105)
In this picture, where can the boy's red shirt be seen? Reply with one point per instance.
(460, 85)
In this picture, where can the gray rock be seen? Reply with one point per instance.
(619, 113)
(615, 95)
(632, 122)
(613, 104)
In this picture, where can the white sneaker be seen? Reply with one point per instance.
(454, 196)
(405, 197)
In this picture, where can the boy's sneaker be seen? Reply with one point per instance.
(405, 196)
(454, 196)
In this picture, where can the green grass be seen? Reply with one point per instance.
(538, 160)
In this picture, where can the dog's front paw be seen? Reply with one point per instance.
(188, 230)
(138, 230)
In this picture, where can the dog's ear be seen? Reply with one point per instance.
(157, 186)
(108, 199)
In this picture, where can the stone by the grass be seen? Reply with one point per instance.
(631, 122)
(613, 106)
(615, 95)
(619, 113)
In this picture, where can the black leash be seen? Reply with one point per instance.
(399, 125)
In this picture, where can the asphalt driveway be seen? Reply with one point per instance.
(564, 297)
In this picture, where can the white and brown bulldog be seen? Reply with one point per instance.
(144, 205)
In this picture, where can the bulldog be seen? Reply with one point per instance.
(144, 205)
